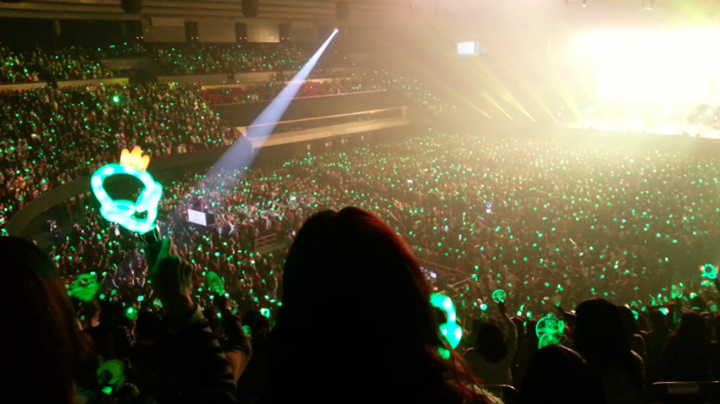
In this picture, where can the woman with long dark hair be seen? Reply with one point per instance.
(688, 353)
(356, 325)
(43, 353)
(600, 339)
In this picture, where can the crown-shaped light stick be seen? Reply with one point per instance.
(125, 212)
(134, 159)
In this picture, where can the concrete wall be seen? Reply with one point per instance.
(105, 82)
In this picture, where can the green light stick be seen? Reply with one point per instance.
(450, 330)
(125, 212)
(709, 271)
(549, 325)
(549, 339)
(84, 288)
(499, 296)
(112, 375)
(131, 313)
(214, 283)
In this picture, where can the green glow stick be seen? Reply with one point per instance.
(549, 325)
(450, 330)
(499, 296)
(84, 287)
(709, 272)
(131, 313)
(112, 375)
(124, 212)
(549, 339)
(214, 283)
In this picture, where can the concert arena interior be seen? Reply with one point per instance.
(360, 201)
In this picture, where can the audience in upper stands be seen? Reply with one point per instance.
(61, 65)
(13, 70)
(228, 59)
(52, 136)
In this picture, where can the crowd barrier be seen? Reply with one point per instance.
(65, 84)
(253, 83)
(126, 64)
(304, 108)
(264, 242)
(435, 267)
(22, 87)
(221, 79)
(684, 392)
(123, 81)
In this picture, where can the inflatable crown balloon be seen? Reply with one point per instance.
(127, 213)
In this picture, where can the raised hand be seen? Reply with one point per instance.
(170, 279)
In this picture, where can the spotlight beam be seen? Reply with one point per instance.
(262, 127)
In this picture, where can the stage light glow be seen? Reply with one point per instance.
(667, 68)
(236, 156)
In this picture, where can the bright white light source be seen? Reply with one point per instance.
(466, 48)
(655, 67)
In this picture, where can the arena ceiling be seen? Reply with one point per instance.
(452, 16)
(378, 12)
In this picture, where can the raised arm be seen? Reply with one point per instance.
(193, 367)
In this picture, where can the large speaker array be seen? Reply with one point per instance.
(250, 8)
(131, 6)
